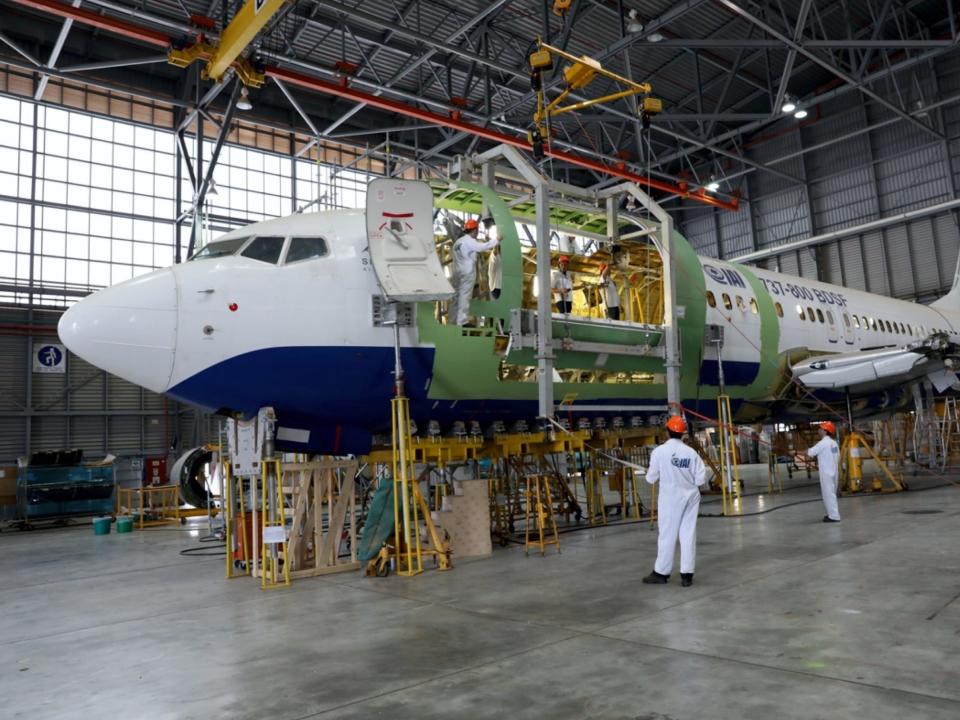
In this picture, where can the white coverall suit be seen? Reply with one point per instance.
(827, 454)
(465, 252)
(680, 471)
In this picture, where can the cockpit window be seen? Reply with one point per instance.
(305, 248)
(265, 248)
(220, 248)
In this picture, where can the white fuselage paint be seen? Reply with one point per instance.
(833, 328)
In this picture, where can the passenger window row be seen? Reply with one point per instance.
(808, 313)
(728, 302)
(864, 322)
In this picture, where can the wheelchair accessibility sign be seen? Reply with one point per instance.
(49, 358)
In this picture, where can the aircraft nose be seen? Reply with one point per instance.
(129, 329)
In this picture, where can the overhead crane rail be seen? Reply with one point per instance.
(249, 73)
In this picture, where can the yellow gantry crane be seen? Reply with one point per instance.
(236, 37)
(580, 72)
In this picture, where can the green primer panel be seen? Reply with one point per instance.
(467, 367)
(768, 374)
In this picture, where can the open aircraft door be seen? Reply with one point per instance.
(400, 235)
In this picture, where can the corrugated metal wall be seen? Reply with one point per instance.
(849, 180)
(83, 408)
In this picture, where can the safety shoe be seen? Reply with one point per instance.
(686, 579)
(656, 578)
(827, 518)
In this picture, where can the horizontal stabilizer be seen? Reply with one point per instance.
(874, 370)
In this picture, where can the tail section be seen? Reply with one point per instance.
(950, 301)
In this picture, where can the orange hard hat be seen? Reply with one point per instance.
(676, 424)
(829, 427)
(471, 224)
(564, 258)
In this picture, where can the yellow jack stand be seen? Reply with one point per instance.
(238, 552)
(539, 504)
(729, 469)
(408, 501)
(774, 483)
(596, 508)
(851, 467)
(274, 563)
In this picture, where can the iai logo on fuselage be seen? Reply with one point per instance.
(725, 276)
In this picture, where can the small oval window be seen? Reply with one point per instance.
(711, 300)
(726, 302)
(819, 314)
(753, 306)
(856, 321)
(779, 308)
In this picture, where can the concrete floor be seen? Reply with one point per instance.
(789, 618)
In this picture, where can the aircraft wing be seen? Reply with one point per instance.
(872, 370)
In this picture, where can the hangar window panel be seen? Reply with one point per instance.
(9, 109)
(711, 300)
(727, 303)
(779, 308)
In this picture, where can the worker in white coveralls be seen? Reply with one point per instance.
(680, 471)
(611, 295)
(465, 251)
(828, 460)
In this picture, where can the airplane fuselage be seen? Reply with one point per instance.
(235, 334)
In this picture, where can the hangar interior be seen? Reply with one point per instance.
(815, 139)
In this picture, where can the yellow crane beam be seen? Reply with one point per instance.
(239, 33)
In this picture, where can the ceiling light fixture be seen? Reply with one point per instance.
(713, 185)
(243, 103)
(800, 114)
(212, 189)
(919, 110)
(654, 37)
(788, 105)
(634, 25)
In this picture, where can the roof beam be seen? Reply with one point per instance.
(849, 79)
(55, 53)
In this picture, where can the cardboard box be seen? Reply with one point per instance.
(8, 485)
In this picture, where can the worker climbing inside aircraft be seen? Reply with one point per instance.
(465, 251)
(680, 472)
(827, 454)
(561, 282)
(611, 295)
